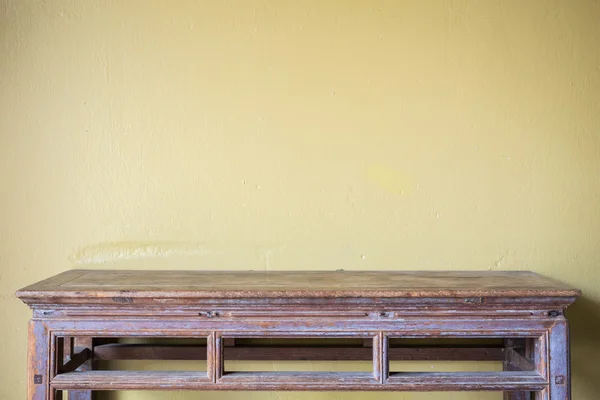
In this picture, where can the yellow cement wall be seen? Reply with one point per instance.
(314, 134)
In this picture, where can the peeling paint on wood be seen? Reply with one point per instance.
(72, 309)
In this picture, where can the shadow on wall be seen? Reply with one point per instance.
(584, 317)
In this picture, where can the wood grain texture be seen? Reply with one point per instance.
(125, 286)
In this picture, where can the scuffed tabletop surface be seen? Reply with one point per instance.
(238, 284)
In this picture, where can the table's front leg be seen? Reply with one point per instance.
(38, 375)
(556, 364)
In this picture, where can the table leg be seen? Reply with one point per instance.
(558, 364)
(38, 369)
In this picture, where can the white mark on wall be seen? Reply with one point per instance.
(499, 260)
(267, 253)
(118, 251)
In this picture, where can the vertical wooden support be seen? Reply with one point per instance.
(541, 362)
(68, 346)
(214, 356)
(210, 356)
(78, 344)
(58, 361)
(558, 363)
(38, 375)
(380, 358)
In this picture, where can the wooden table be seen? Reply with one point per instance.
(83, 316)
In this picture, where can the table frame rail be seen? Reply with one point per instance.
(48, 375)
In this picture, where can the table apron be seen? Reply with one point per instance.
(414, 327)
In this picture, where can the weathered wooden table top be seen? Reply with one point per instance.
(266, 284)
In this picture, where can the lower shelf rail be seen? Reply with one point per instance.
(197, 380)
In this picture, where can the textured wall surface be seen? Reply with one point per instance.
(362, 134)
